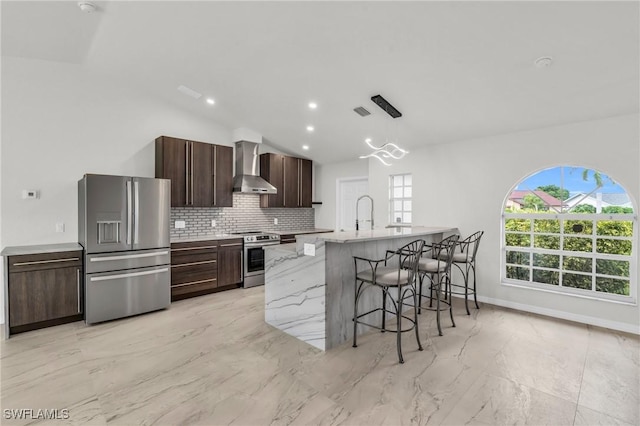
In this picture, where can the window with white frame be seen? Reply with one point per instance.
(400, 199)
(573, 230)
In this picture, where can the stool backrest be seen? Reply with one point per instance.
(409, 256)
(444, 250)
(469, 245)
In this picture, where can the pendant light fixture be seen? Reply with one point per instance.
(389, 150)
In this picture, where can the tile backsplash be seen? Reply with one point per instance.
(245, 215)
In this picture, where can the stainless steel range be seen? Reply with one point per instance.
(254, 242)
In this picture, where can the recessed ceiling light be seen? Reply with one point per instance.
(210, 101)
(305, 147)
(310, 128)
(313, 105)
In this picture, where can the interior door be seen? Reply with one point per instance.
(348, 193)
(151, 213)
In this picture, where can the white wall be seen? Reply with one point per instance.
(465, 184)
(326, 176)
(60, 122)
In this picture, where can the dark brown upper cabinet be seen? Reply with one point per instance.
(271, 170)
(292, 177)
(201, 173)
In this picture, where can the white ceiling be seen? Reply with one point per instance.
(456, 70)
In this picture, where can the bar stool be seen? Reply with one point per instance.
(464, 259)
(437, 268)
(378, 273)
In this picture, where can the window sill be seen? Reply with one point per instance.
(622, 300)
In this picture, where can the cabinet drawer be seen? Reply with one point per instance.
(197, 271)
(190, 246)
(42, 261)
(187, 257)
(192, 287)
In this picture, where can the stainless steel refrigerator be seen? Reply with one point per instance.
(123, 225)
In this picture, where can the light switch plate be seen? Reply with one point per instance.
(309, 249)
(275, 220)
(60, 227)
(213, 223)
(180, 224)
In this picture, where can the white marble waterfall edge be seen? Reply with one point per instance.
(295, 293)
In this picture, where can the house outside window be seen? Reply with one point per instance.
(571, 230)
(400, 187)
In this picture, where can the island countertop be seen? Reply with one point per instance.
(382, 234)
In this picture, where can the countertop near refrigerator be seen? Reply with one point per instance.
(40, 248)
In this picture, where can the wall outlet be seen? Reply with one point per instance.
(60, 227)
(180, 224)
(309, 249)
(213, 223)
(275, 220)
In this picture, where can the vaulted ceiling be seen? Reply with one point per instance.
(456, 70)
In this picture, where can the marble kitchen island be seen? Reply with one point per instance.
(310, 296)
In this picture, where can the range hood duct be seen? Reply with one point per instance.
(247, 179)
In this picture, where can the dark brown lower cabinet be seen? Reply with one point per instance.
(44, 289)
(201, 267)
(230, 262)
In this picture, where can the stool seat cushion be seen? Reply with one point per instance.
(431, 265)
(457, 257)
(387, 276)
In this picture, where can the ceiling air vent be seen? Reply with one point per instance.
(362, 112)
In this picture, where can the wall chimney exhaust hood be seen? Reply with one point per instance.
(247, 179)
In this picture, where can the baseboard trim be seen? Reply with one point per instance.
(584, 319)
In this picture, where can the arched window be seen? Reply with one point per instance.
(573, 230)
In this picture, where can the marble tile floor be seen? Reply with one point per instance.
(213, 361)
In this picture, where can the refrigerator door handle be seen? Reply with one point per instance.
(129, 256)
(136, 211)
(129, 211)
(129, 275)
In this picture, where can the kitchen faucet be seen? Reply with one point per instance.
(371, 214)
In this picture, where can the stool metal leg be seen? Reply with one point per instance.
(415, 316)
(475, 299)
(384, 310)
(438, 291)
(399, 324)
(355, 313)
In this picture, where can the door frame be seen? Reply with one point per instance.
(338, 194)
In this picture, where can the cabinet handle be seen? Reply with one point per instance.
(186, 172)
(299, 183)
(41, 262)
(194, 282)
(78, 285)
(129, 256)
(194, 248)
(213, 176)
(230, 245)
(284, 183)
(191, 192)
(129, 275)
(204, 262)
